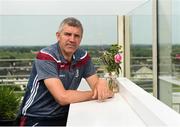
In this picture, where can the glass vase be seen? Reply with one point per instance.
(112, 82)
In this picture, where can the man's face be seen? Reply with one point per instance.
(69, 39)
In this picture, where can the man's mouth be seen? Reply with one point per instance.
(71, 46)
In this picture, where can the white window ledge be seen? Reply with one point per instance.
(131, 107)
(170, 79)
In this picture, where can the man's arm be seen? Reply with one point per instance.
(100, 87)
(63, 96)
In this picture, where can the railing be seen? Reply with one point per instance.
(16, 72)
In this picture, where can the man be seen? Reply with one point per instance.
(56, 74)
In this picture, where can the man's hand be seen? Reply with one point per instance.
(101, 90)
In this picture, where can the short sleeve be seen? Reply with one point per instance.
(46, 69)
(89, 69)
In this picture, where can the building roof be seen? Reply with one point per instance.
(144, 70)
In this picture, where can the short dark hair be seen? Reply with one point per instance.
(71, 21)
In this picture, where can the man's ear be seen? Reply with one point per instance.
(57, 35)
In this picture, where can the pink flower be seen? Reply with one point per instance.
(118, 58)
(177, 56)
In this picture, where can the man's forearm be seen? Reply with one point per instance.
(74, 96)
(63, 96)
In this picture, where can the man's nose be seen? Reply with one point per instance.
(72, 38)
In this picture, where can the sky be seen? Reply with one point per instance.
(40, 29)
(24, 30)
(33, 22)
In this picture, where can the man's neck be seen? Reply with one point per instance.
(68, 57)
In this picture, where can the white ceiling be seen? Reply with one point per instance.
(68, 7)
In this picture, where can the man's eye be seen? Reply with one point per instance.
(77, 36)
(68, 34)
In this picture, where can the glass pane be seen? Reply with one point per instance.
(176, 54)
(141, 46)
(22, 35)
(169, 52)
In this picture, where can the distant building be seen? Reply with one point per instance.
(144, 72)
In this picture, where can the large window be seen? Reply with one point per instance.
(169, 52)
(22, 35)
(140, 41)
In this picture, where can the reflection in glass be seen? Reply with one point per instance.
(169, 52)
(141, 46)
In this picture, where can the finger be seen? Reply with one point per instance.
(111, 94)
(106, 93)
(94, 94)
(100, 98)
(99, 95)
(103, 94)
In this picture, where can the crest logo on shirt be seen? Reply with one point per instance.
(62, 75)
(62, 66)
(77, 73)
